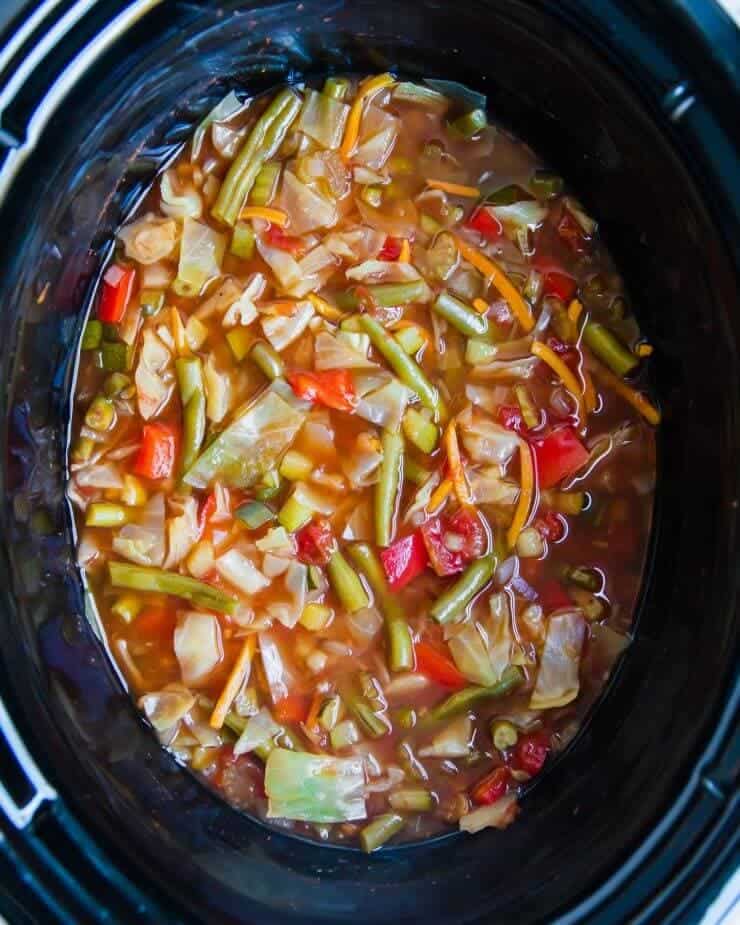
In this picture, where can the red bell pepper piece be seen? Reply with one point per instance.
(572, 233)
(464, 525)
(276, 237)
(510, 417)
(404, 560)
(436, 666)
(291, 709)
(559, 284)
(205, 512)
(486, 224)
(333, 388)
(491, 787)
(315, 542)
(550, 526)
(156, 456)
(553, 596)
(531, 752)
(558, 455)
(391, 249)
(118, 284)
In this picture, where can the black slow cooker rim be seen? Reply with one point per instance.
(720, 738)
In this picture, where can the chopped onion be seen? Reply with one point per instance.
(197, 644)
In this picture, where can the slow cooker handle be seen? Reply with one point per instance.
(20, 815)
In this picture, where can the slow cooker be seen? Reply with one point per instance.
(637, 104)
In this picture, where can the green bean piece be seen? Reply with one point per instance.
(193, 396)
(503, 734)
(106, 514)
(388, 488)
(398, 635)
(546, 185)
(461, 316)
(347, 586)
(411, 800)
(373, 722)
(456, 599)
(111, 332)
(470, 123)
(293, 515)
(336, 87)
(407, 370)
(267, 360)
(507, 196)
(380, 830)
(420, 431)
(144, 578)
(115, 357)
(83, 449)
(242, 241)
(386, 295)
(406, 717)
(468, 697)
(608, 348)
(101, 414)
(254, 514)
(264, 140)
(117, 384)
(92, 335)
(265, 184)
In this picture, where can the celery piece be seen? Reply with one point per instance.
(239, 340)
(115, 357)
(106, 514)
(92, 335)
(293, 515)
(242, 241)
(422, 432)
(295, 467)
(254, 514)
(411, 339)
(336, 87)
(469, 124)
(265, 184)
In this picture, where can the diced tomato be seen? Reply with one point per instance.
(467, 528)
(486, 224)
(333, 388)
(466, 523)
(559, 284)
(205, 512)
(491, 787)
(531, 752)
(572, 233)
(292, 709)
(553, 596)
(404, 560)
(391, 249)
(437, 666)
(510, 417)
(155, 623)
(558, 455)
(156, 456)
(315, 542)
(550, 526)
(118, 285)
(276, 237)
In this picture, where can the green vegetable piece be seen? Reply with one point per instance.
(406, 717)
(193, 396)
(479, 352)
(372, 195)
(420, 431)
(608, 348)
(255, 514)
(293, 515)
(461, 316)
(111, 333)
(373, 722)
(101, 414)
(469, 124)
(267, 360)
(127, 607)
(314, 788)
(239, 341)
(419, 95)
(118, 384)
(264, 140)
(269, 486)
(412, 801)
(330, 713)
(411, 339)
(336, 87)
(387, 295)
(503, 734)
(546, 185)
(92, 335)
(151, 301)
(106, 514)
(429, 225)
(454, 601)
(344, 734)
(468, 697)
(415, 472)
(295, 467)
(388, 488)
(83, 449)
(345, 583)
(380, 830)
(242, 241)
(265, 184)
(116, 358)
(399, 646)
(507, 196)
(144, 578)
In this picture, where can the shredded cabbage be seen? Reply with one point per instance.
(378, 136)
(288, 612)
(496, 815)
(386, 405)
(454, 741)
(323, 119)
(306, 209)
(314, 788)
(149, 239)
(144, 542)
(557, 678)
(282, 330)
(179, 205)
(484, 440)
(201, 254)
(197, 644)
(165, 708)
(259, 730)
(236, 568)
(243, 312)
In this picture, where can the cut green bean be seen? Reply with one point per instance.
(420, 431)
(387, 295)
(468, 697)
(375, 724)
(461, 316)
(101, 414)
(507, 196)
(388, 488)
(470, 123)
(193, 397)
(267, 360)
(503, 734)
(412, 801)
(265, 184)
(398, 635)
(407, 370)
(346, 584)
(144, 578)
(380, 830)
(264, 140)
(117, 385)
(454, 601)
(92, 335)
(608, 348)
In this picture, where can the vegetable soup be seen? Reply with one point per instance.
(363, 460)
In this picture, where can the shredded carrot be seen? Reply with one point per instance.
(644, 350)
(178, 332)
(273, 216)
(440, 494)
(352, 129)
(314, 710)
(567, 377)
(481, 306)
(405, 255)
(285, 308)
(500, 280)
(452, 447)
(589, 392)
(455, 189)
(235, 680)
(526, 493)
(324, 308)
(574, 311)
(634, 398)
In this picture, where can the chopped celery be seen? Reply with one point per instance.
(330, 713)
(265, 184)
(92, 335)
(479, 352)
(314, 788)
(316, 617)
(609, 349)
(101, 414)
(293, 515)
(269, 485)
(117, 385)
(414, 472)
(420, 95)
(254, 514)
(115, 357)
(83, 449)
(267, 359)
(111, 333)
(344, 734)
(412, 801)
(239, 340)
(242, 241)
(469, 124)
(411, 339)
(196, 333)
(422, 432)
(295, 467)
(380, 830)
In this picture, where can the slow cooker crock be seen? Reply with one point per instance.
(637, 104)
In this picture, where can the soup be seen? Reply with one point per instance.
(363, 460)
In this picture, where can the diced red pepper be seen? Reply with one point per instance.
(206, 511)
(276, 237)
(404, 560)
(558, 455)
(531, 752)
(292, 709)
(156, 456)
(572, 233)
(510, 417)
(437, 666)
(391, 249)
(333, 388)
(559, 284)
(315, 542)
(464, 524)
(550, 526)
(118, 285)
(486, 224)
(155, 623)
(553, 596)
(491, 787)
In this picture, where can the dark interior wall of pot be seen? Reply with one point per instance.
(678, 249)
